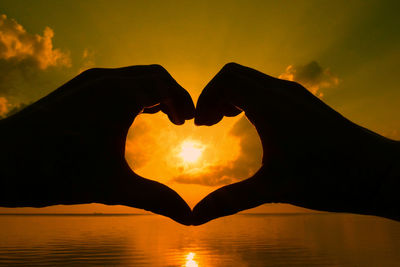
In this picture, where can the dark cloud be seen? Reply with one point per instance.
(312, 76)
(247, 163)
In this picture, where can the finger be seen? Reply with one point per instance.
(237, 197)
(170, 108)
(138, 192)
(209, 105)
(186, 105)
(229, 92)
(159, 88)
(93, 74)
(227, 200)
(153, 109)
(212, 106)
(230, 110)
(142, 88)
(178, 105)
(176, 110)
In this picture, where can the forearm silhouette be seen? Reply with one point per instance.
(68, 148)
(313, 157)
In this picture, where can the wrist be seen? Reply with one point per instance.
(10, 164)
(387, 201)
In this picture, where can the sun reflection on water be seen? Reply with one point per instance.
(190, 262)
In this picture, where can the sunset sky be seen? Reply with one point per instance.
(345, 52)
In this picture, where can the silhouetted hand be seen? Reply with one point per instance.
(68, 148)
(313, 157)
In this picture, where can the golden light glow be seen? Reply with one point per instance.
(190, 151)
(190, 262)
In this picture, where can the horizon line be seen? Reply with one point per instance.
(147, 214)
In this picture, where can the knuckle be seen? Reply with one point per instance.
(232, 66)
(93, 72)
(126, 70)
(294, 85)
(290, 84)
(157, 68)
(231, 70)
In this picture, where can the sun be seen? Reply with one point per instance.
(190, 151)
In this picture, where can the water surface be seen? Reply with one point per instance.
(240, 240)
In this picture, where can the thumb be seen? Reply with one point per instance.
(138, 192)
(236, 197)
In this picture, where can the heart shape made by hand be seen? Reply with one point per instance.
(76, 150)
(287, 117)
(192, 160)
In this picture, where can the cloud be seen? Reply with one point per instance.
(17, 45)
(312, 76)
(4, 106)
(88, 60)
(30, 66)
(11, 109)
(245, 165)
(6, 109)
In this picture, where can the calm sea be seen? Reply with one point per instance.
(240, 240)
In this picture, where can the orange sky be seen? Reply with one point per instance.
(344, 52)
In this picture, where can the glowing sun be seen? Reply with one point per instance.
(190, 151)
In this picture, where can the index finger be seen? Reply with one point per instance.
(233, 89)
(158, 90)
(148, 88)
